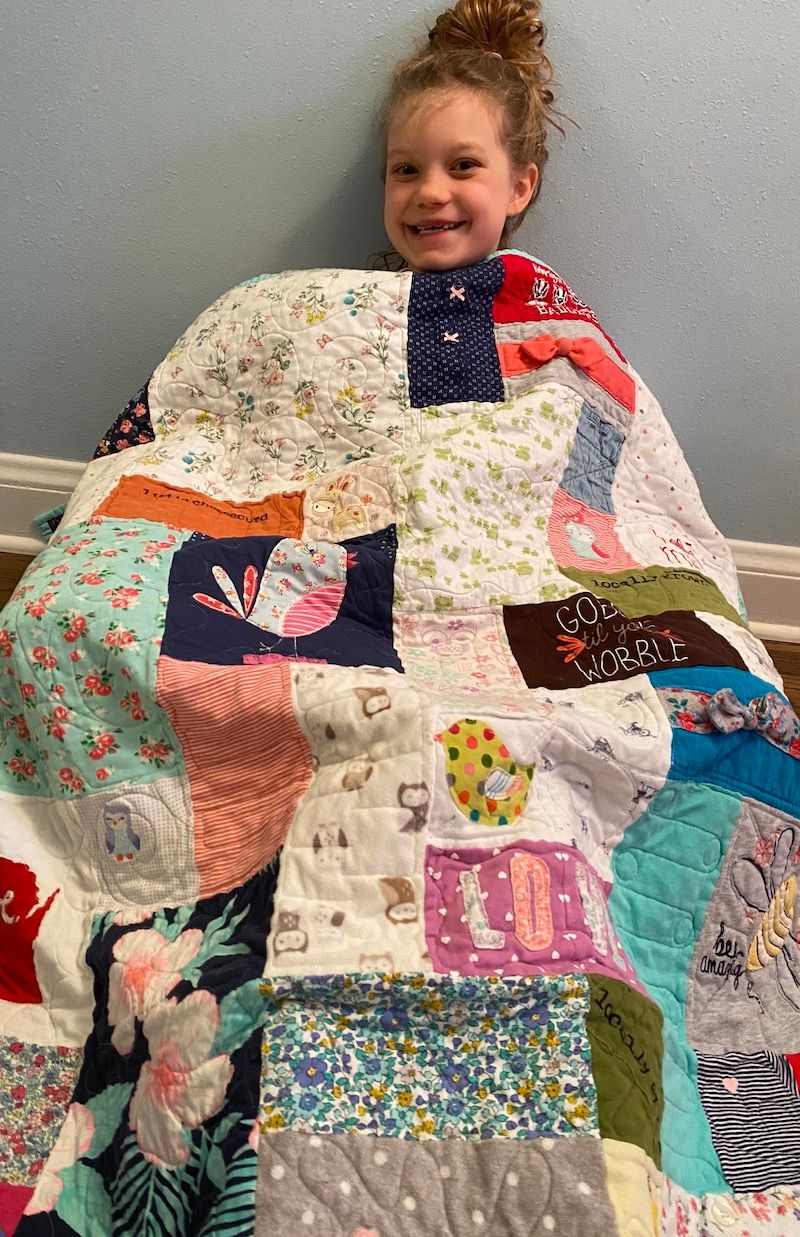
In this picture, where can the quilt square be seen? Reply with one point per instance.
(133, 496)
(350, 894)
(47, 899)
(165, 1104)
(36, 1082)
(80, 680)
(743, 985)
(625, 1031)
(586, 639)
(752, 1102)
(137, 843)
(348, 505)
(589, 475)
(452, 357)
(262, 599)
(435, 648)
(468, 497)
(396, 1187)
(518, 910)
(580, 536)
(245, 712)
(420, 1056)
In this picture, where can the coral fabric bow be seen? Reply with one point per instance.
(584, 352)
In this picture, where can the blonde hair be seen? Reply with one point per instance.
(495, 48)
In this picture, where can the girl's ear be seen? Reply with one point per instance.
(523, 188)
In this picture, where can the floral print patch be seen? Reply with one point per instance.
(78, 658)
(421, 1056)
(468, 497)
(164, 1107)
(131, 428)
(36, 1083)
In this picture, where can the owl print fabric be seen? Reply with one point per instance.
(399, 823)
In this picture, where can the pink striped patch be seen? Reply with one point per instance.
(247, 761)
(314, 611)
(582, 537)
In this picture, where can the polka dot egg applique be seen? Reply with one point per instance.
(486, 783)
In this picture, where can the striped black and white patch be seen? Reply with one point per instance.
(752, 1102)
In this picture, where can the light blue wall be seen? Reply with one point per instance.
(157, 153)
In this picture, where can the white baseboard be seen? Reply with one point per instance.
(770, 580)
(31, 485)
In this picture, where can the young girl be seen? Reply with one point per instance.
(465, 134)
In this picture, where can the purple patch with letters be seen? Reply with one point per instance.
(527, 908)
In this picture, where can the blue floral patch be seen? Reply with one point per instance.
(428, 1056)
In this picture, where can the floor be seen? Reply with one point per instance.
(785, 656)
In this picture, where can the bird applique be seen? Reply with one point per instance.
(486, 783)
(122, 840)
(300, 592)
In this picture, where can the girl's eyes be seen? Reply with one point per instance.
(461, 165)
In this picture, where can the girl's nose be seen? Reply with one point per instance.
(433, 189)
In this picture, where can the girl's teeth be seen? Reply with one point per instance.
(442, 227)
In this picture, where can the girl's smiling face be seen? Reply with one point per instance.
(450, 186)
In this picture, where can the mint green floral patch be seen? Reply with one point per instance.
(78, 709)
(428, 1056)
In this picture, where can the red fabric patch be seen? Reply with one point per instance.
(528, 355)
(531, 292)
(20, 919)
(13, 1201)
(794, 1065)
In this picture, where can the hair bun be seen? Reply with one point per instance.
(513, 29)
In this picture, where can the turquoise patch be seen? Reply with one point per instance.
(658, 903)
(743, 762)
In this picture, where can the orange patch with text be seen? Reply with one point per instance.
(137, 497)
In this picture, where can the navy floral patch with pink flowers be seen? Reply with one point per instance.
(131, 428)
(166, 1101)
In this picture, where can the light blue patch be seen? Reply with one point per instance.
(256, 279)
(592, 465)
(665, 870)
(743, 762)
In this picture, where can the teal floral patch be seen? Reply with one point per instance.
(79, 656)
(428, 1056)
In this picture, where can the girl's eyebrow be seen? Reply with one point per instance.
(473, 148)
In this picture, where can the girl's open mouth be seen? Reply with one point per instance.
(437, 227)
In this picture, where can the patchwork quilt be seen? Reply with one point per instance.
(400, 825)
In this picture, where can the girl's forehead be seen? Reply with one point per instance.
(412, 111)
